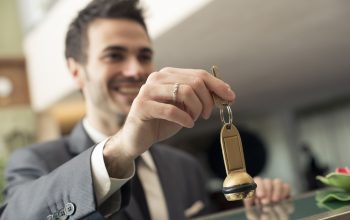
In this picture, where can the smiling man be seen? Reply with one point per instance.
(111, 166)
(117, 63)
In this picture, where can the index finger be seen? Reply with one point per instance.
(218, 87)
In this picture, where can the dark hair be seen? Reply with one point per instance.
(76, 38)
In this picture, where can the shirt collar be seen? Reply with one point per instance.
(97, 136)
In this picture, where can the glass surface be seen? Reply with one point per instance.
(299, 207)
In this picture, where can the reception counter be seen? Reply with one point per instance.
(303, 206)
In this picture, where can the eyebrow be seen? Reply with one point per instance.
(124, 49)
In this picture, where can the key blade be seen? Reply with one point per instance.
(219, 102)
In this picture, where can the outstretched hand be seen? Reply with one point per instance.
(268, 191)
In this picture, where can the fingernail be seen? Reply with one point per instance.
(230, 93)
(205, 116)
(208, 114)
(192, 124)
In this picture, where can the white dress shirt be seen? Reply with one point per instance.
(105, 186)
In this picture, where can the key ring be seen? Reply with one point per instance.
(222, 115)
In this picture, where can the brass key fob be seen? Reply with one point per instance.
(238, 184)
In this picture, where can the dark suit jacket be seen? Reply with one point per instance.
(43, 178)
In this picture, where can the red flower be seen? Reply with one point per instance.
(343, 170)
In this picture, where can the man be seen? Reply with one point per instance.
(88, 175)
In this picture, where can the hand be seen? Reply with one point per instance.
(154, 116)
(268, 191)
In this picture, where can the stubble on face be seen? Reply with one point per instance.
(105, 110)
(109, 90)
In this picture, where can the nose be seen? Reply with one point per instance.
(133, 68)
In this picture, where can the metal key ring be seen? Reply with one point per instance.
(222, 116)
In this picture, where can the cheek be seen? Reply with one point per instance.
(96, 86)
(100, 80)
(100, 70)
(150, 67)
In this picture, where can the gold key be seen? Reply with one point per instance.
(219, 102)
(238, 183)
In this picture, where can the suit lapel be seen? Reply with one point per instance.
(79, 140)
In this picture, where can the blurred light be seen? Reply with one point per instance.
(6, 87)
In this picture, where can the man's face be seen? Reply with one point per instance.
(119, 59)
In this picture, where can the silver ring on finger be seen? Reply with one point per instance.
(175, 91)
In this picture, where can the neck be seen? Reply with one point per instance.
(106, 124)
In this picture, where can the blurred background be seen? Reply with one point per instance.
(288, 62)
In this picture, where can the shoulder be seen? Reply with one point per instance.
(44, 148)
(45, 154)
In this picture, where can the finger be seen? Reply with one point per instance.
(277, 190)
(188, 77)
(266, 199)
(157, 110)
(260, 191)
(248, 203)
(199, 87)
(204, 95)
(216, 86)
(257, 201)
(186, 99)
(285, 190)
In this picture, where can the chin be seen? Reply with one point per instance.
(122, 109)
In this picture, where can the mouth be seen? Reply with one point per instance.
(128, 90)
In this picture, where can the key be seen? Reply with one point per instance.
(238, 183)
(219, 102)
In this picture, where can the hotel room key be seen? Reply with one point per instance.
(238, 184)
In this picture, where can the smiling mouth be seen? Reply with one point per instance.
(127, 87)
(128, 90)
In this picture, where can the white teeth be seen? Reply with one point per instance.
(129, 90)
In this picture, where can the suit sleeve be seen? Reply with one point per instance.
(33, 193)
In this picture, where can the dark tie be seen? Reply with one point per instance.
(139, 194)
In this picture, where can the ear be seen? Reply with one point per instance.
(77, 72)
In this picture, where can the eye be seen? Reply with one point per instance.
(114, 57)
(145, 57)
